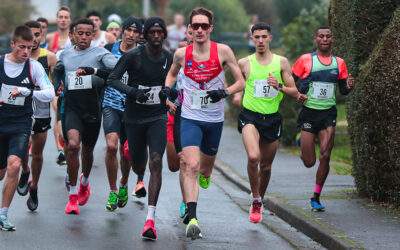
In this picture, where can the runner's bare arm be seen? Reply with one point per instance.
(178, 62)
(110, 38)
(228, 59)
(245, 69)
(52, 59)
(290, 87)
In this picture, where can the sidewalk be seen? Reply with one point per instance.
(349, 222)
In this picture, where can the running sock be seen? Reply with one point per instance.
(140, 177)
(73, 190)
(191, 206)
(258, 199)
(3, 211)
(123, 186)
(33, 194)
(151, 213)
(85, 181)
(317, 192)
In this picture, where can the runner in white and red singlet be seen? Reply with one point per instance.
(202, 109)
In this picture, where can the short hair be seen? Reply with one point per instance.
(93, 13)
(71, 27)
(322, 28)
(83, 20)
(201, 11)
(42, 20)
(23, 32)
(260, 26)
(34, 24)
(65, 8)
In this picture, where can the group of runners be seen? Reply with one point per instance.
(150, 101)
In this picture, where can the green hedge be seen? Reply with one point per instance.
(367, 37)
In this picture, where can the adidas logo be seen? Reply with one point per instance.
(25, 81)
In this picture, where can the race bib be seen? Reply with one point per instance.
(198, 100)
(152, 94)
(261, 89)
(124, 78)
(78, 82)
(322, 90)
(7, 98)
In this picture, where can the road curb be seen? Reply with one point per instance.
(319, 232)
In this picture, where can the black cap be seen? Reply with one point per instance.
(154, 21)
(132, 22)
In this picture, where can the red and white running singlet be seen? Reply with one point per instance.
(199, 78)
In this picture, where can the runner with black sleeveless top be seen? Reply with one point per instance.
(145, 112)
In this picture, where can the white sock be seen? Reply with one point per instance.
(123, 186)
(3, 211)
(85, 181)
(151, 212)
(73, 190)
(257, 199)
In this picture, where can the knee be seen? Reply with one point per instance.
(13, 168)
(191, 167)
(112, 148)
(155, 162)
(253, 159)
(265, 168)
(38, 157)
(308, 162)
(324, 156)
(73, 147)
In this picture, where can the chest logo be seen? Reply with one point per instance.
(189, 63)
(25, 81)
(202, 66)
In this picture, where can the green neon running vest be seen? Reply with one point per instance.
(323, 83)
(263, 105)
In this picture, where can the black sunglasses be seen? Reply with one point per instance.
(204, 26)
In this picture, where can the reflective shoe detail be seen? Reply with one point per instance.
(182, 209)
(204, 182)
(185, 218)
(112, 202)
(61, 160)
(193, 230)
(83, 192)
(316, 206)
(72, 205)
(122, 197)
(23, 184)
(140, 190)
(255, 213)
(32, 201)
(5, 224)
(149, 232)
(66, 182)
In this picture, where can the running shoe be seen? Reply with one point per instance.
(316, 205)
(32, 201)
(122, 197)
(298, 139)
(149, 232)
(61, 158)
(5, 224)
(72, 205)
(23, 184)
(30, 150)
(256, 211)
(182, 209)
(185, 218)
(204, 182)
(112, 202)
(193, 230)
(83, 192)
(67, 185)
(140, 190)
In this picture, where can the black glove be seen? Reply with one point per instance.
(217, 95)
(88, 70)
(167, 92)
(140, 94)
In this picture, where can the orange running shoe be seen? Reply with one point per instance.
(83, 192)
(140, 190)
(256, 211)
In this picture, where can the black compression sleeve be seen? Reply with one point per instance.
(103, 73)
(116, 74)
(343, 87)
(57, 75)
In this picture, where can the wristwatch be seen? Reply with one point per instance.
(280, 86)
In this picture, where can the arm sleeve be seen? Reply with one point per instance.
(46, 92)
(116, 74)
(343, 87)
(103, 73)
(57, 75)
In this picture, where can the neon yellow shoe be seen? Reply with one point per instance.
(193, 230)
(204, 182)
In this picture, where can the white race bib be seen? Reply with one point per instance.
(198, 100)
(153, 95)
(322, 90)
(262, 89)
(124, 78)
(78, 82)
(7, 98)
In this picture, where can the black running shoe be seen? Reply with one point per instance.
(32, 201)
(61, 159)
(186, 217)
(23, 184)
